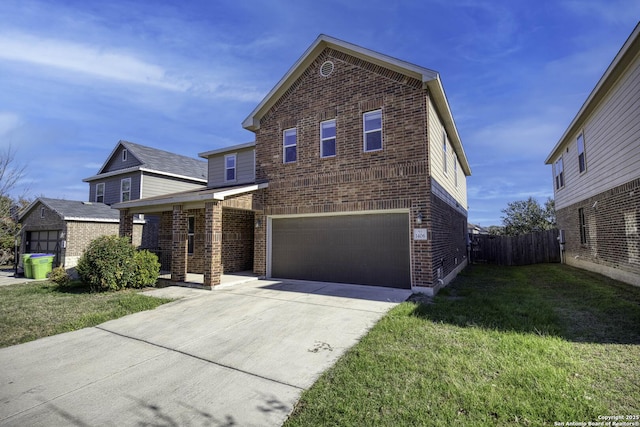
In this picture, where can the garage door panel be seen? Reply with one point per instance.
(362, 249)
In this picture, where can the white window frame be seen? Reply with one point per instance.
(328, 138)
(366, 132)
(444, 151)
(122, 191)
(41, 211)
(99, 186)
(558, 177)
(582, 164)
(227, 168)
(455, 171)
(285, 133)
(125, 155)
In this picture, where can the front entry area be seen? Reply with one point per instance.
(366, 249)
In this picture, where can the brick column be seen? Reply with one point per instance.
(179, 245)
(212, 244)
(260, 244)
(126, 224)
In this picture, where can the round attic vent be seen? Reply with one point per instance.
(326, 68)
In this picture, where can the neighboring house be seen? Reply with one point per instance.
(65, 228)
(596, 173)
(359, 176)
(134, 171)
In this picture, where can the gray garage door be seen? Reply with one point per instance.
(360, 249)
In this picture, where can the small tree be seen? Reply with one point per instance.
(527, 216)
(10, 175)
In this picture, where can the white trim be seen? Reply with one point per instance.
(269, 259)
(125, 155)
(220, 195)
(369, 212)
(141, 169)
(207, 154)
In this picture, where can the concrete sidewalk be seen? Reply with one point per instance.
(234, 356)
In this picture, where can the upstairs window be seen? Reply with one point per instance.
(444, 151)
(230, 167)
(372, 130)
(582, 160)
(100, 192)
(455, 171)
(125, 155)
(125, 190)
(289, 145)
(558, 171)
(328, 138)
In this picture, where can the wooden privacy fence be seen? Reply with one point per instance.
(533, 248)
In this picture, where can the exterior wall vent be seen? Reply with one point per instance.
(326, 69)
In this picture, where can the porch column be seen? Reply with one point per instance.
(212, 244)
(179, 245)
(125, 228)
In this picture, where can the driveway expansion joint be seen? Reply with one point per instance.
(184, 353)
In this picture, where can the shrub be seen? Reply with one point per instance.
(107, 264)
(60, 276)
(147, 269)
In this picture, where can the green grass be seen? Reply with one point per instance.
(39, 309)
(533, 345)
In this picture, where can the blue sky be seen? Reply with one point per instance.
(77, 76)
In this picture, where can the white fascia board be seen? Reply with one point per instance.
(141, 169)
(238, 147)
(633, 39)
(220, 195)
(112, 173)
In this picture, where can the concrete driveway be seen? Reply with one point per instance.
(234, 356)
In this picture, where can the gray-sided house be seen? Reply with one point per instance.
(357, 175)
(65, 228)
(596, 173)
(134, 171)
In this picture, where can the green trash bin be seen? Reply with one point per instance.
(41, 264)
(26, 264)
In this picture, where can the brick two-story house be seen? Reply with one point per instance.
(596, 173)
(359, 176)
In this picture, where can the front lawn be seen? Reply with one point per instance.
(38, 309)
(536, 345)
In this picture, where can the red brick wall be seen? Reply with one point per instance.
(612, 228)
(393, 178)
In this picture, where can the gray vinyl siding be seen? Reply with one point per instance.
(116, 163)
(245, 169)
(155, 185)
(112, 188)
(612, 144)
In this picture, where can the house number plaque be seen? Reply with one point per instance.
(420, 234)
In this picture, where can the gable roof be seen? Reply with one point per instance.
(625, 56)
(72, 210)
(430, 79)
(157, 161)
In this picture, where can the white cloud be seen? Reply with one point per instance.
(8, 122)
(86, 59)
